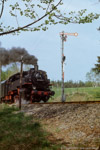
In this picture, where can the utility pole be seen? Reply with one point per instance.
(21, 75)
(0, 75)
(0, 79)
(63, 38)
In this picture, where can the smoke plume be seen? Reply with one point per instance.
(15, 55)
(4, 56)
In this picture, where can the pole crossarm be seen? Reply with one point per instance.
(71, 34)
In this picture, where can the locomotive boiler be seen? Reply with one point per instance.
(35, 87)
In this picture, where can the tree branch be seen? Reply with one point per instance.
(2, 8)
(48, 7)
(21, 28)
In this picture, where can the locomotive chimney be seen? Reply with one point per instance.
(36, 67)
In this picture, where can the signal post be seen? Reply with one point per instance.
(63, 38)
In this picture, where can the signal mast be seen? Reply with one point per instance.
(63, 38)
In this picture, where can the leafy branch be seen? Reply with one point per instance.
(43, 13)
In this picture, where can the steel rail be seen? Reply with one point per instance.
(77, 102)
(63, 103)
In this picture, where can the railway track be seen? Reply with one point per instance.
(78, 102)
(63, 103)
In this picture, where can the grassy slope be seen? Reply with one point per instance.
(22, 133)
(89, 93)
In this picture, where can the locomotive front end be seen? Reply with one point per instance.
(41, 86)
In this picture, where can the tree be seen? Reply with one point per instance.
(12, 69)
(41, 13)
(93, 77)
(96, 69)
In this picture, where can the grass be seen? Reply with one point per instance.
(19, 132)
(78, 94)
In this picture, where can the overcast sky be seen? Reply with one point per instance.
(81, 52)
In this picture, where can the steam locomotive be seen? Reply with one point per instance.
(35, 87)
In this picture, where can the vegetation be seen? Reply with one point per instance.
(12, 69)
(77, 94)
(22, 132)
(40, 13)
(72, 84)
(96, 69)
(92, 80)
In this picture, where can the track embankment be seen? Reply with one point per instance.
(74, 123)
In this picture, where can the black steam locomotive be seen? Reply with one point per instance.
(35, 87)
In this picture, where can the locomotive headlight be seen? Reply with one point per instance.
(38, 76)
(33, 87)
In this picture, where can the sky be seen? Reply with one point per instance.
(81, 52)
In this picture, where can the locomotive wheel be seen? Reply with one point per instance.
(45, 99)
(35, 99)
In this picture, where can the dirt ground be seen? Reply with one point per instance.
(76, 126)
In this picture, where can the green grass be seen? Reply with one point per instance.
(74, 94)
(19, 132)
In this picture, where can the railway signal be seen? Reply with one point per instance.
(64, 38)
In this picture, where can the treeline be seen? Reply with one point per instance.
(12, 69)
(72, 84)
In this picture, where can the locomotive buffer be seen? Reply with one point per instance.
(63, 38)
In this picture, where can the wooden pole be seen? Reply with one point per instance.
(0, 80)
(21, 75)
